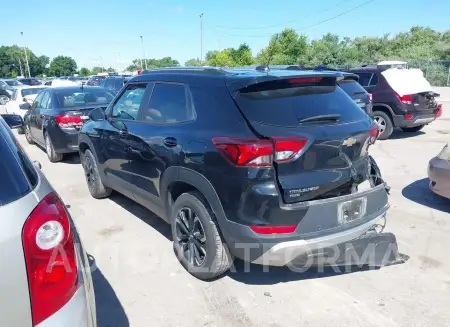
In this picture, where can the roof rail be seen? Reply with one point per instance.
(186, 69)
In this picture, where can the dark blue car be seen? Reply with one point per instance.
(58, 113)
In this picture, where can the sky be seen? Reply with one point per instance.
(99, 32)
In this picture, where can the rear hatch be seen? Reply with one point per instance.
(358, 94)
(333, 160)
(424, 102)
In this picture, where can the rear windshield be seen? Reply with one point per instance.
(31, 91)
(285, 104)
(351, 87)
(14, 184)
(13, 82)
(88, 97)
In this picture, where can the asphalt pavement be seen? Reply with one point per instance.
(144, 285)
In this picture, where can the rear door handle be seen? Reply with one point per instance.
(170, 142)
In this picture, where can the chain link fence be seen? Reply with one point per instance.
(437, 72)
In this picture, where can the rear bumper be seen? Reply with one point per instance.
(439, 174)
(319, 228)
(417, 120)
(64, 142)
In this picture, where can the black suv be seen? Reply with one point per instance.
(410, 112)
(259, 165)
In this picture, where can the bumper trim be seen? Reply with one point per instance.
(284, 252)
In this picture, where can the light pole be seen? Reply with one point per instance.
(101, 63)
(26, 59)
(201, 38)
(118, 61)
(143, 53)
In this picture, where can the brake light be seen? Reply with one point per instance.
(49, 249)
(439, 111)
(139, 72)
(304, 80)
(66, 121)
(406, 99)
(374, 132)
(408, 116)
(287, 148)
(258, 152)
(268, 230)
(370, 96)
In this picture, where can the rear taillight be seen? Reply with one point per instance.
(139, 72)
(406, 99)
(370, 96)
(268, 230)
(439, 111)
(50, 258)
(257, 152)
(374, 132)
(66, 121)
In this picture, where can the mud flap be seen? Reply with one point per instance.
(370, 250)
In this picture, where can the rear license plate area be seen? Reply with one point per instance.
(352, 210)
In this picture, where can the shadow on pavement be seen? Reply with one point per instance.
(143, 214)
(399, 134)
(420, 193)
(110, 312)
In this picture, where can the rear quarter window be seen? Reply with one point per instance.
(14, 184)
(278, 103)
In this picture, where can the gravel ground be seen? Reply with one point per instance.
(140, 283)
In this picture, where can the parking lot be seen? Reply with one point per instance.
(139, 281)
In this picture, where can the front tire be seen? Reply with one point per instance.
(385, 123)
(412, 129)
(196, 237)
(51, 154)
(21, 130)
(95, 185)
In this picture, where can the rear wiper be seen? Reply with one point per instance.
(320, 118)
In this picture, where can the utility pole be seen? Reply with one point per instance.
(201, 38)
(20, 66)
(101, 63)
(118, 62)
(26, 59)
(143, 53)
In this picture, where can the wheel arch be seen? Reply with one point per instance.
(384, 108)
(176, 180)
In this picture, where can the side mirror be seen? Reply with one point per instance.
(97, 114)
(25, 106)
(13, 121)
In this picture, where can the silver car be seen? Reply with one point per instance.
(45, 280)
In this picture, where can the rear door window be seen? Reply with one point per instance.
(14, 184)
(373, 80)
(364, 78)
(285, 104)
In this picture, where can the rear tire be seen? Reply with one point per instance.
(95, 185)
(385, 122)
(51, 154)
(28, 136)
(21, 130)
(412, 129)
(198, 234)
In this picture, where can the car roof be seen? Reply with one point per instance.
(367, 69)
(235, 78)
(73, 88)
(30, 86)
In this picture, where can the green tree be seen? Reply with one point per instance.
(193, 62)
(84, 71)
(62, 66)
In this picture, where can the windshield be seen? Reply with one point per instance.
(31, 91)
(351, 87)
(13, 82)
(88, 97)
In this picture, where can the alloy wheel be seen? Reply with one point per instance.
(89, 171)
(191, 236)
(28, 133)
(48, 145)
(381, 123)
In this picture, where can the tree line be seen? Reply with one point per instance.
(422, 47)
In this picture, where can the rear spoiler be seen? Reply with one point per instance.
(237, 83)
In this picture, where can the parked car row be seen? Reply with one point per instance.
(169, 136)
